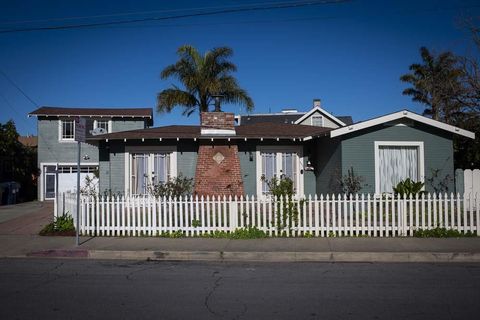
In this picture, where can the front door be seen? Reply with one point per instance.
(50, 182)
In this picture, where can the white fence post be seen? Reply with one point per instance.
(233, 212)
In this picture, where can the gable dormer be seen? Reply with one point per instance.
(319, 117)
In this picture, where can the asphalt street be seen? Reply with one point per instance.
(91, 289)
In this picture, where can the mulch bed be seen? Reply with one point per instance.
(70, 233)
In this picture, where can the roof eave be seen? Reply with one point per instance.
(398, 115)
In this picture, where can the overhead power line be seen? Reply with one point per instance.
(18, 88)
(133, 13)
(275, 6)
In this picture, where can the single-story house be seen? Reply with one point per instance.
(229, 155)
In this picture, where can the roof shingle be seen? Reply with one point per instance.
(265, 130)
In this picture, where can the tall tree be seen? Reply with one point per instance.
(204, 77)
(435, 83)
(17, 162)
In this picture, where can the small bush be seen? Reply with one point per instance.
(240, 233)
(408, 187)
(62, 224)
(173, 234)
(441, 233)
(247, 233)
(176, 187)
(351, 183)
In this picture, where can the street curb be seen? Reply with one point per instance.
(436, 257)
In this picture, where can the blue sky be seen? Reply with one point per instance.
(350, 54)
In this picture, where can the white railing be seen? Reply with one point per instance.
(324, 216)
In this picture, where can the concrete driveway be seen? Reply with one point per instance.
(26, 218)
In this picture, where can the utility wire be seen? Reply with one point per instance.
(140, 13)
(40, 137)
(182, 16)
(19, 89)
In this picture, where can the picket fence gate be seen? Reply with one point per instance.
(324, 216)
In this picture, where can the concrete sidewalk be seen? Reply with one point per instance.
(272, 249)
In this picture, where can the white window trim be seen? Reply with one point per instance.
(278, 150)
(60, 131)
(95, 124)
(129, 150)
(421, 156)
(315, 115)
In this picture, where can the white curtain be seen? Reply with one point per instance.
(139, 174)
(289, 167)
(396, 164)
(269, 168)
(161, 167)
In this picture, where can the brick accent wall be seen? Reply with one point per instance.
(218, 170)
(217, 120)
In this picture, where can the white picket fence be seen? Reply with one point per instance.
(360, 215)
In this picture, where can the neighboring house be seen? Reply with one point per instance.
(315, 149)
(57, 148)
(29, 141)
(228, 159)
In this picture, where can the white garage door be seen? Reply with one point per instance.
(67, 178)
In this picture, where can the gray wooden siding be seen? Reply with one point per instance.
(123, 124)
(327, 164)
(248, 168)
(358, 151)
(50, 149)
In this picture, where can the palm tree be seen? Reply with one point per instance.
(436, 83)
(205, 77)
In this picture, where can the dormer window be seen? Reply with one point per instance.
(317, 121)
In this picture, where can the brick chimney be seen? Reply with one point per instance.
(217, 123)
(218, 166)
(317, 103)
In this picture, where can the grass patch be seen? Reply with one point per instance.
(240, 233)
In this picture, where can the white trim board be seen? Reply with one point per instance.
(398, 115)
(324, 113)
(421, 158)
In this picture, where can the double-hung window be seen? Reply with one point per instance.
(149, 167)
(279, 162)
(67, 130)
(396, 161)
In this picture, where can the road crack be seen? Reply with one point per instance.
(216, 284)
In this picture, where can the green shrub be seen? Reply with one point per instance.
(247, 233)
(408, 187)
(173, 234)
(239, 233)
(441, 233)
(62, 223)
(176, 187)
